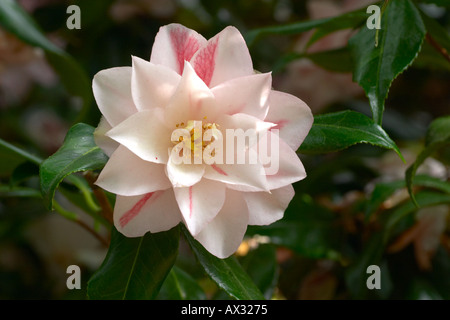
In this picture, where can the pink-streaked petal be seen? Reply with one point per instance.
(223, 58)
(145, 134)
(232, 98)
(200, 203)
(292, 117)
(192, 100)
(223, 235)
(105, 143)
(281, 164)
(154, 212)
(247, 174)
(184, 174)
(128, 175)
(152, 85)
(112, 91)
(175, 44)
(265, 208)
(244, 122)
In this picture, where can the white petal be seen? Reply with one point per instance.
(223, 58)
(265, 208)
(246, 175)
(292, 116)
(174, 44)
(200, 203)
(112, 91)
(184, 175)
(154, 212)
(128, 175)
(192, 100)
(105, 143)
(223, 235)
(282, 165)
(152, 85)
(145, 134)
(248, 95)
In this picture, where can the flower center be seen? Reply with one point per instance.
(195, 139)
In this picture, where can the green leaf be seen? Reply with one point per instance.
(8, 191)
(78, 153)
(227, 273)
(179, 285)
(337, 60)
(337, 131)
(7, 149)
(23, 172)
(423, 199)
(345, 21)
(293, 28)
(384, 190)
(135, 268)
(18, 22)
(438, 136)
(400, 40)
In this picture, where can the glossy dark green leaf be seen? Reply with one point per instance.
(179, 285)
(227, 273)
(438, 136)
(337, 131)
(399, 42)
(134, 268)
(18, 22)
(78, 153)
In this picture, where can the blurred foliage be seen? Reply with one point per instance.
(353, 210)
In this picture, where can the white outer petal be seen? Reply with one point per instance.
(112, 91)
(265, 208)
(145, 134)
(223, 235)
(200, 203)
(128, 175)
(152, 85)
(292, 116)
(156, 212)
(105, 143)
(248, 95)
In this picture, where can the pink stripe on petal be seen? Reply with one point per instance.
(190, 202)
(280, 124)
(219, 170)
(184, 46)
(134, 211)
(205, 61)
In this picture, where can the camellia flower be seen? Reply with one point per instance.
(196, 86)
